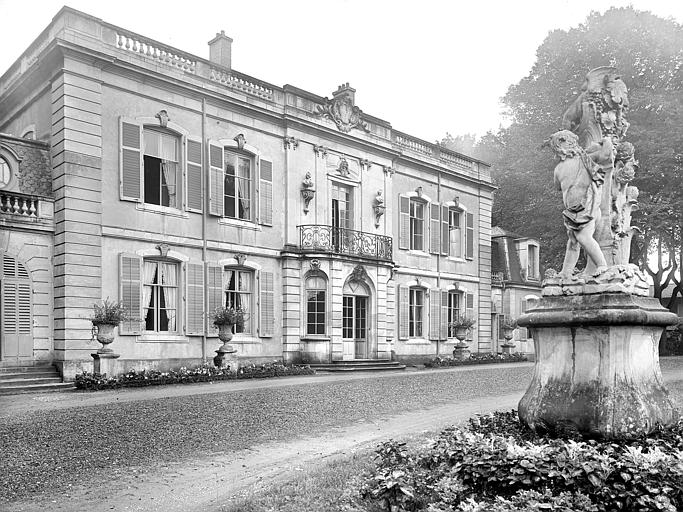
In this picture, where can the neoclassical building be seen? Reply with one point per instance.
(175, 184)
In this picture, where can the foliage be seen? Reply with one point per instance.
(497, 464)
(203, 373)
(509, 323)
(109, 313)
(648, 53)
(228, 316)
(485, 358)
(463, 321)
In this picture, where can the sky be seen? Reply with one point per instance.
(428, 67)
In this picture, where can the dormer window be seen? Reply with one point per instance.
(532, 262)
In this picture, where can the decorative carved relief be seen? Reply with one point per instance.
(163, 249)
(359, 275)
(419, 192)
(241, 141)
(389, 171)
(365, 164)
(315, 264)
(241, 258)
(307, 191)
(163, 118)
(343, 167)
(378, 207)
(320, 150)
(342, 111)
(291, 142)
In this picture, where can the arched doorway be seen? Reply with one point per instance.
(16, 340)
(356, 320)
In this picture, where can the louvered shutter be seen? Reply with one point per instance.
(10, 320)
(130, 292)
(469, 311)
(266, 305)
(216, 179)
(434, 313)
(434, 238)
(445, 233)
(194, 298)
(404, 223)
(214, 286)
(443, 328)
(266, 192)
(469, 235)
(130, 161)
(193, 175)
(403, 312)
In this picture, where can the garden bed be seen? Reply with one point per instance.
(495, 464)
(205, 373)
(485, 358)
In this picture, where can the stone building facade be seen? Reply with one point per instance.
(181, 184)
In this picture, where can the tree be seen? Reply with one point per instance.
(648, 53)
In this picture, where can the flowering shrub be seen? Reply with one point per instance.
(203, 373)
(496, 464)
(109, 313)
(485, 358)
(228, 316)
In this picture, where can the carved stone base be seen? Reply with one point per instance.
(226, 357)
(597, 366)
(507, 348)
(615, 279)
(461, 351)
(103, 363)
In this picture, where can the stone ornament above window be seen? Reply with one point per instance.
(343, 111)
(241, 141)
(163, 118)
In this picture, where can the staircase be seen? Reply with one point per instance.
(31, 379)
(359, 365)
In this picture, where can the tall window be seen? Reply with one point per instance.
(5, 173)
(454, 305)
(532, 263)
(239, 295)
(238, 186)
(417, 224)
(454, 233)
(316, 292)
(416, 306)
(160, 162)
(160, 295)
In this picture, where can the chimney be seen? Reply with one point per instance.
(220, 50)
(346, 90)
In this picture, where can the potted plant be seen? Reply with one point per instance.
(225, 318)
(508, 325)
(105, 318)
(461, 325)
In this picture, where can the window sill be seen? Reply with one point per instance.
(418, 341)
(420, 254)
(162, 338)
(244, 338)
(164, 210)
(310, 337)
(456, 259)
(246, 224)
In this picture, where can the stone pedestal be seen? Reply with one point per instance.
(226, 357)
(507, 347)
(597, 365)
(461, 351)
(103, 363)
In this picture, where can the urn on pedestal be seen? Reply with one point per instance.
(225, 318)
(459, 328)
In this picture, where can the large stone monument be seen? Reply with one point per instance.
(596, 332)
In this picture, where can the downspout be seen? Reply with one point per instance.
(205, 171)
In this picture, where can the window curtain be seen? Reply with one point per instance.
(243, 192)
(148, 271)
(169, 285)
(168, 170)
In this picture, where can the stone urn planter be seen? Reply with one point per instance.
(508, 333)
(461, 351)
(225, 318)
(105, 318)
(105, 335)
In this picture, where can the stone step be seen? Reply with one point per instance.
(29, 381)
(27, 369)
(37, 388)
(359, 365)
(29, 375)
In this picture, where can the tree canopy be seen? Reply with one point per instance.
(648, 53)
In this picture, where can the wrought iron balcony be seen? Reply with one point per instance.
(314, 237)
(498, 278)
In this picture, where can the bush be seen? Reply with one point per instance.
(204, 373)
(496, 464)
(109, 313)
(485, 358)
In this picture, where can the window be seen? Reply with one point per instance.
(238, 186)
(160, 295)
(316, 293)
(239, 295)
(416, 311)
(160, 168)
(501, 330)
(5, 173)
(532, 263)
(454, 308)
(417, 225)
(454, 233)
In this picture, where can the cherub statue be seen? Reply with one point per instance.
(579, 176)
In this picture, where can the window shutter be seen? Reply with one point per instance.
(445, 234)
(266, 192)
(403, 312)
(443, 331)
(130, 292)
(470, 236)
(266, 305)
(434, 311)
(216, 177)
(404, 223)
(194, 298)
(130, 161)
(469, 311)
(214, 286)
(193, 175)
(434, 238)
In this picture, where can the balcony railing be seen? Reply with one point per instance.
(314, 237)
(19, 205)
(497, 277)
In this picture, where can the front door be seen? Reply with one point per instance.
(16, 340)
(355, 326)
